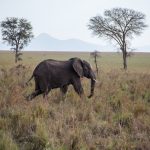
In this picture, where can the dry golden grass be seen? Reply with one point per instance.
(116, 118)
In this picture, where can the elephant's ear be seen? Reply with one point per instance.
(77, 66)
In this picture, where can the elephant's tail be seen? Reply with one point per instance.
(29, 80)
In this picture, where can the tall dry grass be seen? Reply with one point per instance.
(116, 118)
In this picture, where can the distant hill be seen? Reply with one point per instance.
(45, 42)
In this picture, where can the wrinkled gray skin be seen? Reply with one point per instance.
(51, 74)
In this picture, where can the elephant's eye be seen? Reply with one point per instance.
(86, 70)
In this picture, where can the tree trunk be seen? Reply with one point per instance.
(16, 53)
(15, 56)
(124, 51)
(124, 60)
(96, 65)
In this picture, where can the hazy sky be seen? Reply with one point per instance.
(66, 19)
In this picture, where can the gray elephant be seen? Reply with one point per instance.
(51, 74)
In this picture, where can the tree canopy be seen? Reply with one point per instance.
(17, 33)
(119, 25)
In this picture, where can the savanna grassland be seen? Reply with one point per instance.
(117, 117)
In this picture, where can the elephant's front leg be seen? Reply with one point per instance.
(78, 87)
(63, 90)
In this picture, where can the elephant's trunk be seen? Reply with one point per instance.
(93, 81)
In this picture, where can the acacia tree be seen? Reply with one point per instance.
(119, 25)
(17, 33)
(95, 55)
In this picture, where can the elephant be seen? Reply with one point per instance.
(50, 74)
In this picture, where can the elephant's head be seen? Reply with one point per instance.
(83, 69)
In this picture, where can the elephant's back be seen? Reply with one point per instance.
(56, 63)
(50, 66)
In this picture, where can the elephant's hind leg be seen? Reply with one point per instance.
(34, 94)
(37, 90)
(45, 94)
(43, 86)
